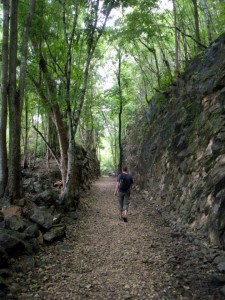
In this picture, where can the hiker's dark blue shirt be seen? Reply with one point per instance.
(128, 177)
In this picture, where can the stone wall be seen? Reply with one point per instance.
(178, 152)
(39, 217)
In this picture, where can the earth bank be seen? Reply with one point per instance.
(176, 150)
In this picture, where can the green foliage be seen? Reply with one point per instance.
(143, 35)
(106, 161)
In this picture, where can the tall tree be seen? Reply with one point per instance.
(4, 97)
(196, 18)
(120, 95)
(177, 42)
(14, 108)
(94, 32)
(208, 21)
(65, 67)
(16, 95)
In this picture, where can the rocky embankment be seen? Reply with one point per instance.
(39, 218)
(177, 152)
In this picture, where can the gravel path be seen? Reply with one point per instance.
(105, 258)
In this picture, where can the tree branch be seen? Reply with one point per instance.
(23, 64)
(90, 51)
(64, 21)
(49, 147)
(183, 33)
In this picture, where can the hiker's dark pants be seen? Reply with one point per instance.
(123, 198)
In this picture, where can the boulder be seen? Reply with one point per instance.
(38, 187)
(221, 267)
(32, 231)
(12, 210)
(14, 242)
(47, 197)
(56, 232)
(14, 222)
(42, 217)
(28, 184)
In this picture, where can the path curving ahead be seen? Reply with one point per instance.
(104, 258)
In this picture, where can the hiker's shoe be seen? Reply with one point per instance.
(125, 219)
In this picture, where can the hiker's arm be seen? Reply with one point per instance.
(116, 189)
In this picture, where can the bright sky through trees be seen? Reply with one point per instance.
(106, 71)
(165, 4)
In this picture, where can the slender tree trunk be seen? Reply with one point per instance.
(36, 141)
(23, 58)
(177, 43)
(153, 51)
(196, 17)
(25, 158)
(48, 155)
(63, 141)
(22, 79)
(112, 140)
(47, 145)
(207, 19)
(115, 147)
(94, 145)
(70, 187)
(165, 61)
(14, 109)
(4, 98)
(16, 97)
(120, 110)
(54, 113)
(157, 68)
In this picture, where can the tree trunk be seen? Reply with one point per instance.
(23, 58)
(22, 79)
(165, 61)
(207, 19)
(63, 141)
(177, 43)
(71, 187)
(120, 111)
(4, 97)
(153, 51)
(73, 110)
(71, 190)
(115, 146)
(54, 112)
(25, 155)
(112, 135)
(14, 109)
(196, 17)
(16, 98)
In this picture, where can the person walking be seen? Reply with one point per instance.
(122, 189)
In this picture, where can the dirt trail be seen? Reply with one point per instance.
(105, 258)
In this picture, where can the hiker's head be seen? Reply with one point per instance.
(125, 169)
